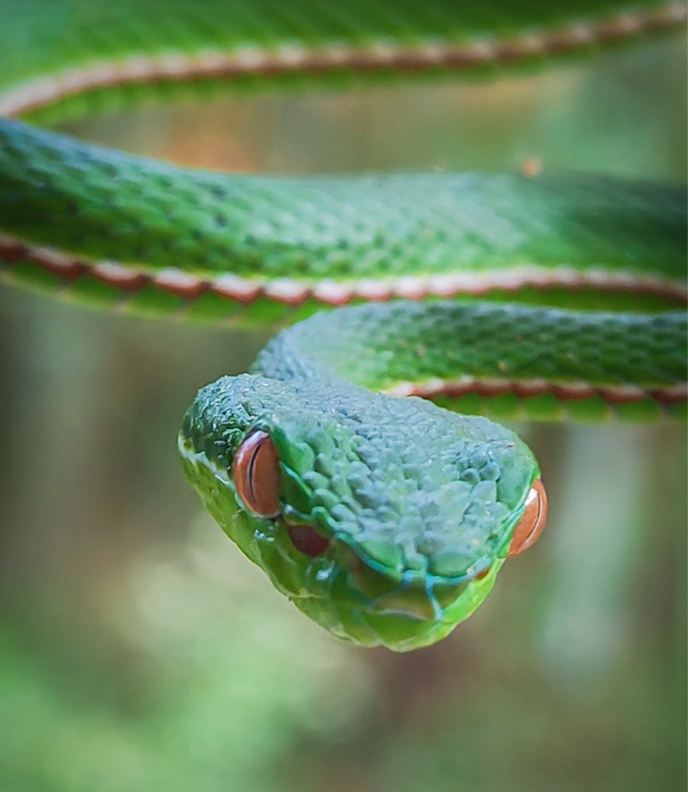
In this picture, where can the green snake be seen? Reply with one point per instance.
(538, 296)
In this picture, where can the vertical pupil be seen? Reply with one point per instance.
(255, 472)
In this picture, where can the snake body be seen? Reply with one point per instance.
(385, 519)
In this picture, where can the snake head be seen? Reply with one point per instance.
(386, 520)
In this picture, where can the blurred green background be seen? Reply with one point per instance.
(140, 651)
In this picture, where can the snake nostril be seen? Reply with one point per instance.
(307, 540)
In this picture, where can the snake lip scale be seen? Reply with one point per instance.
(384, 517)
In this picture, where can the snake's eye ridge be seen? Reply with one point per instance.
(255, 472)
(307, 540)
(533, 520)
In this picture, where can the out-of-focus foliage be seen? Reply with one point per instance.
(140, 651)
(220, 676)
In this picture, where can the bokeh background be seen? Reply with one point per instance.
(140, 651)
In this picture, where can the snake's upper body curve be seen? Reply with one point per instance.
(385, 519)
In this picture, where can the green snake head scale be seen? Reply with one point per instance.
(384, 519)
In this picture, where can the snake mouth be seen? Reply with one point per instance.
(414, 595)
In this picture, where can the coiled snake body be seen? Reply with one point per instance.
(385, 519)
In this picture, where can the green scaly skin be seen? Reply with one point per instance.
(418, 504)
(424, 498)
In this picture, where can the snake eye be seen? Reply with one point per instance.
(533, 520)
(255, 472)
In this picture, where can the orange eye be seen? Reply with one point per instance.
(255, 472)
(533, 521)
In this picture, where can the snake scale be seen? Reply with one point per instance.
(385, 519)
